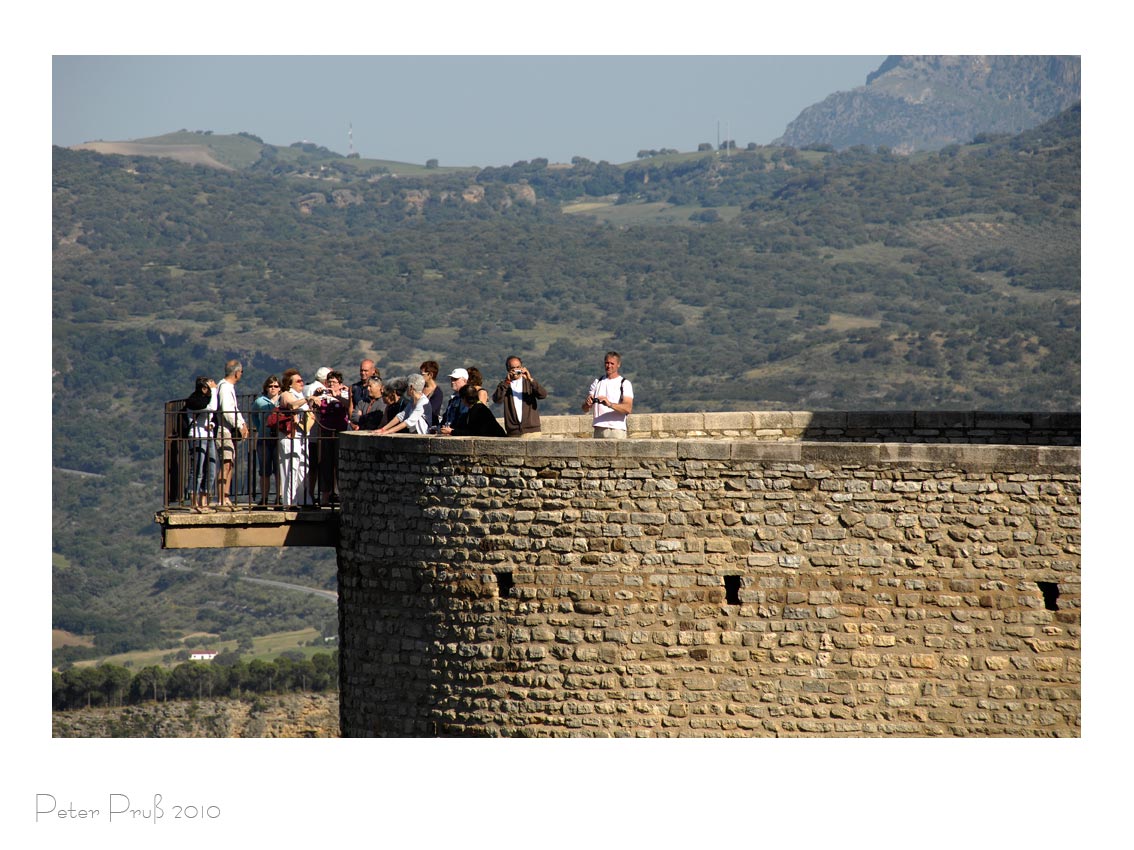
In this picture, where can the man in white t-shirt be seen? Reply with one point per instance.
(610, 399)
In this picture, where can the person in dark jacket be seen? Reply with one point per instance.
(372, 413)
(520, 394)
(458, 379)
(478, 421)
(429, 370)
(360, 389)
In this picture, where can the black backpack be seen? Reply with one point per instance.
(181, 429)
(185, 417)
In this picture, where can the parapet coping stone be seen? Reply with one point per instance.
(801, 420)
(1031, 458)
(795, 424)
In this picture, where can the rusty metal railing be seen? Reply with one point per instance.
(267, 471)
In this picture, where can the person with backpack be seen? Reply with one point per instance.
(610, 399)
(199, 413)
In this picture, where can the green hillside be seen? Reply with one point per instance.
(238, 151)
(769, 278)
(245, 151)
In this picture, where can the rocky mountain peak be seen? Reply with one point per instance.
(926, 102)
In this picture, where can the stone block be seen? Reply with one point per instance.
(765, 452)
(591, 448)
(1002, 421)
(1059, 458)
(674, 423)
(775, 420)
(565, 425)
(944, 419)
(704, 449)
(645, 448)
(719, 423)
(818, 422)
(538, 447)
(837, 454)
(881, 421)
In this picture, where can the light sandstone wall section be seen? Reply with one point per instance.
(910, 426)
(708, 587)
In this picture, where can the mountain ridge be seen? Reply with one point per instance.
(923, 103)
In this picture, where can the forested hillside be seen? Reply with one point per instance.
(769, 278)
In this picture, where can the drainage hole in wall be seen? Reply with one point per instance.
(1050, 591)
(504, 584)
(732, 589)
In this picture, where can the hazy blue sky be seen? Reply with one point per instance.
(462, 110)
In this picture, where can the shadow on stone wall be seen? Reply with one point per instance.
(936, 426)
(944, 426)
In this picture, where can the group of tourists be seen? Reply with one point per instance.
(296, 425)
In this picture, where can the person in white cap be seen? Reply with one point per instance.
(457, 379)
(318, 384)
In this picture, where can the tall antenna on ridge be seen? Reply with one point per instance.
(350, 138)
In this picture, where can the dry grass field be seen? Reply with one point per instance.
(266, 648)
(189, 154)
(59, 638)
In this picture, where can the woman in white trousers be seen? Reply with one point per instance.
(291, 458)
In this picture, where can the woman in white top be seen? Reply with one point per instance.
(416, 421)
(200, 408)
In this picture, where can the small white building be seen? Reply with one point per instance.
(202, 656)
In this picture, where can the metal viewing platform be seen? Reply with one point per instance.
(255, 517)
(183, 529)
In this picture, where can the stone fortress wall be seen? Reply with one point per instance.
(732, 574)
